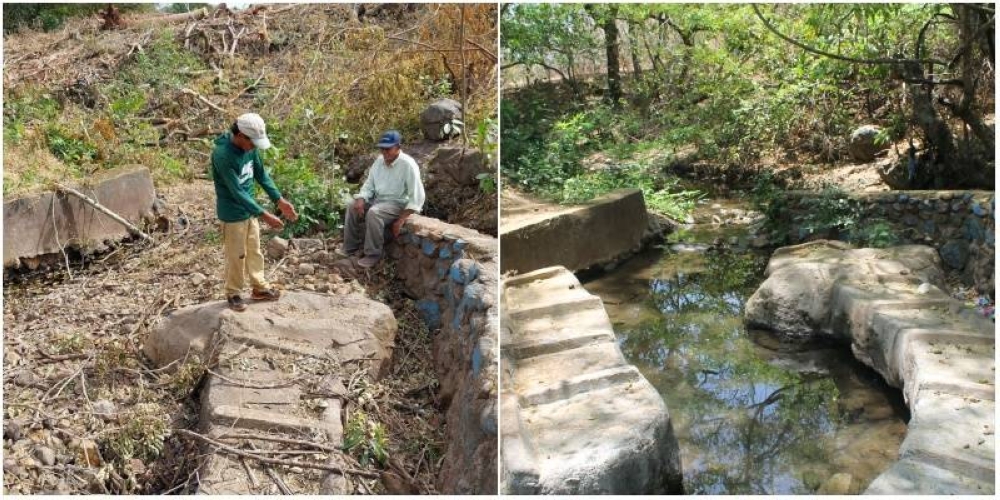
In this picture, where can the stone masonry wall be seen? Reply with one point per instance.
(453, 271)
(959, 224)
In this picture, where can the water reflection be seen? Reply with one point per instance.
(750, 420)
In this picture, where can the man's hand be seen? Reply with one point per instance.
(359, 206)
(272, 220)
(288, 210)
(397, 225)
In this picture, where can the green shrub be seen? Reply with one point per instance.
(366, 439)
(663, 197)
(319, 203)
(163, 63)
(877, 233)
(72, 150)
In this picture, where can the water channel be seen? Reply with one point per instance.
(752, 416)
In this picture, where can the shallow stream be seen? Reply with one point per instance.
(752, 416)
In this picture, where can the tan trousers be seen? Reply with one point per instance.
(241, 245)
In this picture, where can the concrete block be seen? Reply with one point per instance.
(578, 237)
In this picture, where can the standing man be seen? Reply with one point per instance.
(392, 191)
(236, 165)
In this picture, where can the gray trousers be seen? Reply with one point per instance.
(369, 227)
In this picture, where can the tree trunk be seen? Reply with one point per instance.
(612, 44)
(939, 138)
(633, 45)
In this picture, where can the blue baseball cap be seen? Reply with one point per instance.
(390, 139)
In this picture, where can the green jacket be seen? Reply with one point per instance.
(234, 172)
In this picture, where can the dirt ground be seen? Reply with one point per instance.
(72, 345)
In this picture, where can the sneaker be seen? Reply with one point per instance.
(236, 303)
(368, 261)
(269, 294)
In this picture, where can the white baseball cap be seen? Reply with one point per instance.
(252, 126)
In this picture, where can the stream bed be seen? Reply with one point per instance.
(752, 416)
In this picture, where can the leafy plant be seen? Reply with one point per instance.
(316, 201)
(831, 213)
(877, 233)
(485, 142)
(140, 435)
(366, 439)
(68, 148)
(660, 194)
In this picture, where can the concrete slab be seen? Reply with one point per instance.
(577, 418)
(969, 445)
(916, 337)
(258, 359)
(577, 237)
(37, 225)
(914, 477)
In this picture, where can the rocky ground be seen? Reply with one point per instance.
(85, 413)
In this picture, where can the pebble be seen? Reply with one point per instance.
(45, 455)
(198, 279)
(307, 269)
(12, 430)
(10, 466)
(104, 409)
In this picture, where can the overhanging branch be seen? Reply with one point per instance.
(814, 50)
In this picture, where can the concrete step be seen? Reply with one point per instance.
(577, 418)
(913, 476)
(596, 450)
(943, 365)
(544, 334)
(952, 432)
(553, 390)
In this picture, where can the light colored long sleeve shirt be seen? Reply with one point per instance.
(399, 182)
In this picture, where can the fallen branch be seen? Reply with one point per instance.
(54, 358)
(202, 99)
(101, 208)
(281, 440)
(274, 461)
(173, 18)
(248, 385)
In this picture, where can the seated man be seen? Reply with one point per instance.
(392, 191)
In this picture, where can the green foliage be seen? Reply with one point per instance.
(140, 435)
(49, 17)
(28, 108)
(72, 150)
(831, 213)
(876, 233)
(180, 8)
(485, 141)
(130, 103)
(366, 439)
(317, 201)
(661, 195)
(164, 63)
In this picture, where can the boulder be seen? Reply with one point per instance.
(437, 114)
(862, 145)
(349, 327)
(795, 301)
(955, 253)
(460, 165)
(277, 247)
